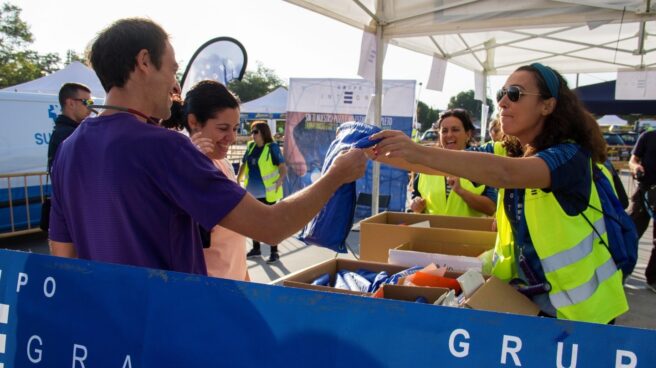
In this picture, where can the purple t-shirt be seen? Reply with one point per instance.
(132, 193)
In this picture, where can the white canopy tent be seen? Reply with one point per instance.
(50, 84)
(496, 36)
(608, 120)
(268, 106)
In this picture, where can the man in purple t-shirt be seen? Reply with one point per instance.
(128, 191)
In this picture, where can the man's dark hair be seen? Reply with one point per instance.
(113, 54)
(70, 90)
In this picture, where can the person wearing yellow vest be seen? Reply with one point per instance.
(448, 195)
(264, 171)
(545, 167)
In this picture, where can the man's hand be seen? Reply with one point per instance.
(349, 166)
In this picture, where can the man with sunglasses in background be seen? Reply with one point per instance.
(72, 98)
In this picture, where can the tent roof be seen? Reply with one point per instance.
(51, 83)
(611, 120)
(497, 36)
(272, 103)
(600, 99)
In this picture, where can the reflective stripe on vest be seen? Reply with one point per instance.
(576, 253)
(268, 171)
(433, 189)
(583, 292)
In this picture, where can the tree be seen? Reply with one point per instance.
(256, 84)
(426, 115)
(72, 56)
(18, 64)
(465, 100)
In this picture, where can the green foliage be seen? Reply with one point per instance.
(72, 56)
(426, 115)
(465, 100)
(256, 84)
(18, 64)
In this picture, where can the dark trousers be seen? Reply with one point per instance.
(641, 218)
(256, 244)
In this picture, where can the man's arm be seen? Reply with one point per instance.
(273, 224)
(59, 249)
(635, 165)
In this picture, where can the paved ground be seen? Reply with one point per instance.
(295, 256)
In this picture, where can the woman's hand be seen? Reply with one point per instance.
(418, 205)
(454, 183)
(395, 143)
(205, 145)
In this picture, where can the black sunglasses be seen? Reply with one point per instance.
(514, 93)
(255, 131)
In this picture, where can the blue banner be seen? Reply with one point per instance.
(310, 138)
(57, 312)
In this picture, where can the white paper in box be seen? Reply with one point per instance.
(409, 258)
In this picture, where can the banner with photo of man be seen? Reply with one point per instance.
(316, 107)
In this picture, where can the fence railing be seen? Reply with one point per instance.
(21, 197)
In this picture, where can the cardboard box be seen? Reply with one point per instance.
(380, 233)
(411, 293)
(497, 296)
(303, 278)
(454, 256)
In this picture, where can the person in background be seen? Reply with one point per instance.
(643, 167)
(448, 195)
(547, 212)
(72, 99)
(210, 114)
(263, 170)
(496, 134)
(126, 190)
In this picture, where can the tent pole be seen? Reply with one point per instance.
(378, 93)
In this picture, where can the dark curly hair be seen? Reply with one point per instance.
(204, 100)
(569, 121)
(460, 114)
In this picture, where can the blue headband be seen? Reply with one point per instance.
(549, 77)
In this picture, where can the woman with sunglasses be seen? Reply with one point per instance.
(264, 170)
(210, 112)
(544, 216)
(448, 195)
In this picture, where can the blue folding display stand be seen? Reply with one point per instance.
(58, 312)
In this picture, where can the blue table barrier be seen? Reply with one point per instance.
(68, 313)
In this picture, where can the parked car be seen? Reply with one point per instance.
(618, 149)
(614, 139)
(629, 138)
(429, 136)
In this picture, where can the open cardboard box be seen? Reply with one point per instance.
(411, 293)
(498, 296)
(455, 257)
(384, 231)
(303, 278)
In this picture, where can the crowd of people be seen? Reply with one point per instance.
(129, 189)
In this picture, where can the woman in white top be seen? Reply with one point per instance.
(210, 113)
